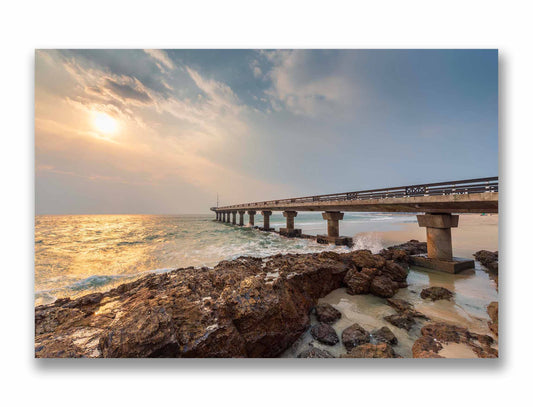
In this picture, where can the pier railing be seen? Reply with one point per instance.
(469, 186)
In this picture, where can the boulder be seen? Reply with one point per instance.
(315, 353)
(436, 293)
(410, 248)
(354, 335)
(402, 306)
(371, 351)
(327, 313)
(383, 286)
(325, 334)
(358, 282)
(385, 335)
(488, 259)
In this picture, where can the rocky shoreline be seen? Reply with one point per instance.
(248, 307)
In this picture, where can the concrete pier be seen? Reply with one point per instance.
(266, 220)
(241, 218)
(438, 200)
(290, 231)
(234, 217)
(333, 230)
(439, 239)
(251, 215)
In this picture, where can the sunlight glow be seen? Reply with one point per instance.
(104, 123)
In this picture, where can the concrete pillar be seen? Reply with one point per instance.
(234, 217)
(439, 234)
(251, 215)
(217, 216)
(223, 216)
(241, 218)
(226, 217)
(333, 222)
(290, 215)
(266, 219)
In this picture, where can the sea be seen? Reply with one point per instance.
(80, 254)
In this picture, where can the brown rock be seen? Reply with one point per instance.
(354, 335)
(371, 351)
(488, 259)
(426, 347)
(385, 335)
(492, 310)
(315, 353)
(324, 333)
(405, 320)
(358, 282)
(383, 286)
(436, 293)
(327, 313)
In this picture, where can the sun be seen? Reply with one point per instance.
(104, 123)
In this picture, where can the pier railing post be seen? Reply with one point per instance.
(251, 216)
(241, 218)
(266, 220)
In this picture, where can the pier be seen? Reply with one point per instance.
(437, 205)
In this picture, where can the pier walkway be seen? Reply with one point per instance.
(438, 205)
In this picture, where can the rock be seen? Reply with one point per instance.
(358, 282)
(488, 259)
(231, 310)
(327, 313)
(383, 286)
(426, 347)
(315, 353)
(385, 335)
(371, 351)
(354, 335)
(402, 306)
(436, 334)
(492, 310)
(436, 293)
(324, 333)
(412, 247)
(405, 320)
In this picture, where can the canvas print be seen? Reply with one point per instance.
(306, 203)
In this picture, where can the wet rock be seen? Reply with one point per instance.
(327, 313)
(402, 306)
(434, 335)
(492, 310)
(385, 335)
(324, 333)
(488, 259)
(383, 286)
(365, 259)
(405, 320)
(371, 351)
(436, 293)
(354, 335)
(412, 247)
(315, 353)
(358, 282)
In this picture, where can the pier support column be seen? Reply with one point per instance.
(241, 218)
(289, 231)
(333, 230)
(266, 220)
(439, 240)
(251, 216)
(224, 217)
(234, 217)
(217, 216)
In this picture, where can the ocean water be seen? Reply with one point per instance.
(79, 254)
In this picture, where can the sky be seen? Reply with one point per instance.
(164, 131)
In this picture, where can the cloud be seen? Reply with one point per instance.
(304, 85)
(127, 91)
(162, 57)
